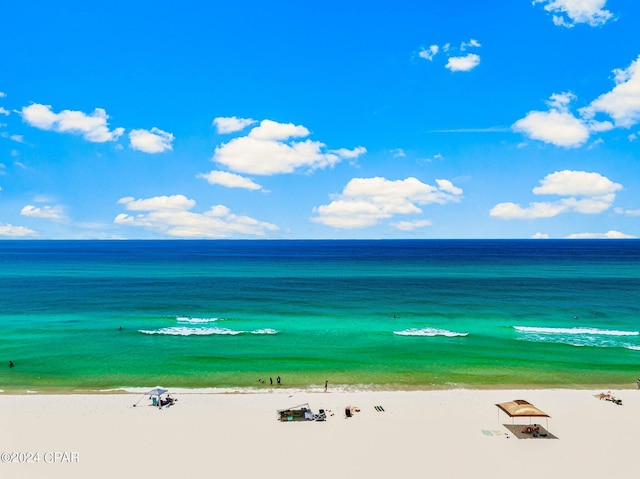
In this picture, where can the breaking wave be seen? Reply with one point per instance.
(264, 331)
(428, 332)
(579, 336)
(187, 331)
(589, 331)
(201, 327)
(185, 319)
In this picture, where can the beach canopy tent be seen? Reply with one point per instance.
(157, 391)
(521, 408)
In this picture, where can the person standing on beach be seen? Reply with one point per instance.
(278, 379)
(326, 385)
(638, 383)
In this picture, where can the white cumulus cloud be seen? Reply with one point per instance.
(230, 180)
(622, 103)
(151, 141)
(93, 127)
(170, 216)
(349, 154)
(560, 127)
(11, 231)
(366, 201)
(584, 192)
(557, 126)
(508, 211)
(158, 203)
(457, 58)
(576, 183)
(270, 130)
(448, 187)
(463, 64)
(567, 13)
(54, 213)
(232, 124)
(271, 148)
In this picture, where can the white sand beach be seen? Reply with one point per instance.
(450, 433)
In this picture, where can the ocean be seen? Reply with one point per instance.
(387, 314)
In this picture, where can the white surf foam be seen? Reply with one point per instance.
(579, 336)
(186, 331)
(578, 331)
(185, 319)
(428, 332)
(264, 331)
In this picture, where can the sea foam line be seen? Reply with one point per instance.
(579, 331)
(430, 332)
(186, 331)
(264, 331)
(594, 337)
(185, 319)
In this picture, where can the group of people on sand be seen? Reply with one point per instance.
(168, 401)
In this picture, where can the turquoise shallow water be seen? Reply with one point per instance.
(388, 314)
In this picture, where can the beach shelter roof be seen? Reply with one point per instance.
(521, 408)
(156, 391)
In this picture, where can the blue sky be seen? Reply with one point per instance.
(458, 119)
